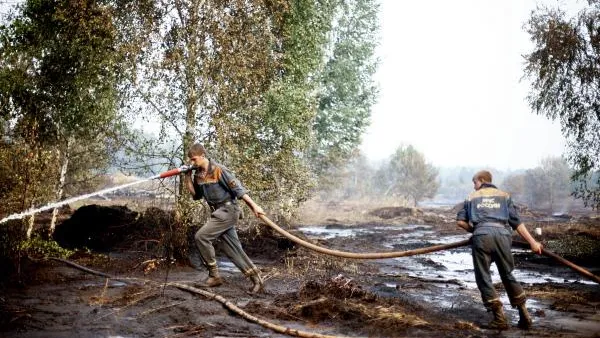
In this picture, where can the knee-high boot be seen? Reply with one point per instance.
(499, 322)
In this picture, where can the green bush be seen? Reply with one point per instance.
(40, 248)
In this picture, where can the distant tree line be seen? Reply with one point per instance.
(409, 178)
(405, 175)
(545, 187)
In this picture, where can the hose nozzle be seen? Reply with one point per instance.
(181, 170)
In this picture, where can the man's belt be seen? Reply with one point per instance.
(491, 224)
(215, 206)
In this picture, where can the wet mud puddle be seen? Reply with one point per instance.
(444, 279)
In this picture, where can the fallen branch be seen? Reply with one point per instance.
(211, 296)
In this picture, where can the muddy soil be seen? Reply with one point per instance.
(431, 295)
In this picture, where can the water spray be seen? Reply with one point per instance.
(176, 171)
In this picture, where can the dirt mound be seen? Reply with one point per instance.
(393, 212)
(343, 299)
(266, 243)
(96, 227)
(155, 232)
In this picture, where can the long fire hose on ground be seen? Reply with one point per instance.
(381, 255)
(343, 254)
(371, 255)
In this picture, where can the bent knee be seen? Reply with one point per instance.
(202, 236)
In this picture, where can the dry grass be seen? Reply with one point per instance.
(590, 227)
(312, 264)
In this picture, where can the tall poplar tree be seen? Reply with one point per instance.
(347, 90)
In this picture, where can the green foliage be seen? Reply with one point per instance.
(355, 180)
(346, 89)
(199, 91)
(37, 247)
(564, 67)
(11, 237)
(14, 245)
(59, 56)
(59, 85)
(409, 175)
(23, 174)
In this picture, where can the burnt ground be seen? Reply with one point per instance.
(304, 290)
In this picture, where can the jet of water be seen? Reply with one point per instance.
(74, 199)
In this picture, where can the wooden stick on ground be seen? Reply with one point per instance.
(207, 294)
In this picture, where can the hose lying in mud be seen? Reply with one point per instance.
(392, 254)
(369, 255)
(211, 296)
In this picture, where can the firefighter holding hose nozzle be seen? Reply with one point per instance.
(221, 190)
(490, 215)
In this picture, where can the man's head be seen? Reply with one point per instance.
(481, 177)
(197, 155)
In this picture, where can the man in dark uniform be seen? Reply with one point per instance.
(490, 215)
(221, 190)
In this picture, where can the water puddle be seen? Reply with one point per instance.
(110, 284)
(445, 279)
(328, 233)
(453, 265)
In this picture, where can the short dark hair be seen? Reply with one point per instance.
(483, 176)
(196, 150)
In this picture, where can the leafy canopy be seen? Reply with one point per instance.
(564, 68)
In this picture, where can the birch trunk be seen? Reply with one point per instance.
(61, 185)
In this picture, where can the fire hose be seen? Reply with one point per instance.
(380, 255)
(370, 255)
(394, 254)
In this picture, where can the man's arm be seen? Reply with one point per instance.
(524, 233)
(464, 225)
(462, 218)
(187, 180)
(255, 207)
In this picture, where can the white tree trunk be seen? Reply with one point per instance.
(30, 224)
(61, 185)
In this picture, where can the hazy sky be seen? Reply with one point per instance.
(450, 85)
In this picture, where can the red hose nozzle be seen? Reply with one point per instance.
(177, 171)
